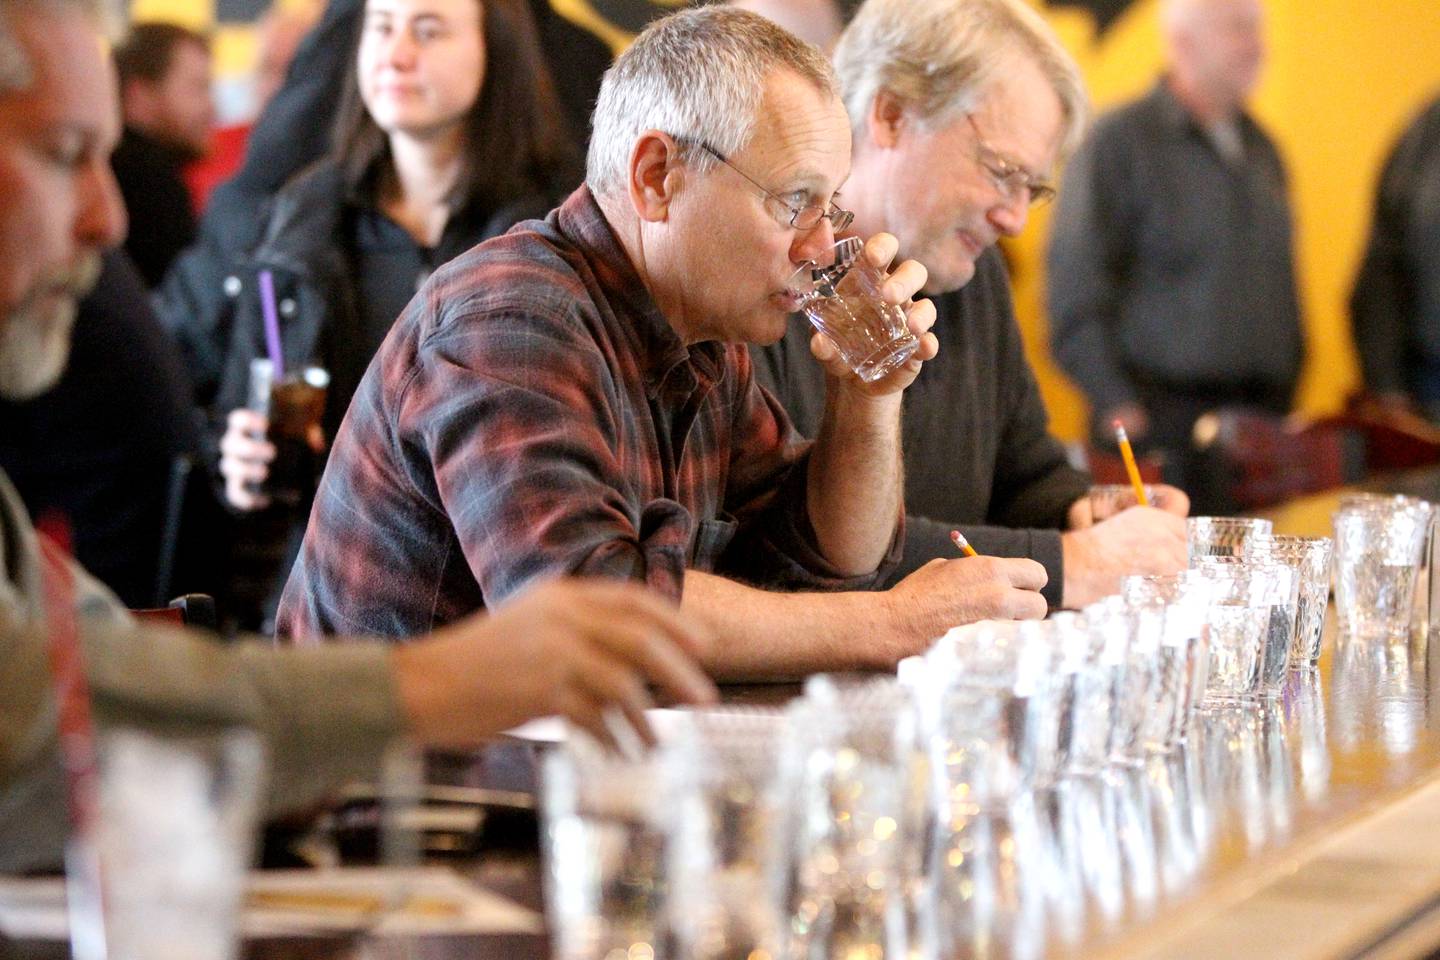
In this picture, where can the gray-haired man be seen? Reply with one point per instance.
(961, 110)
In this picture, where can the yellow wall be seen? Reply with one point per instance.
(1343, 79)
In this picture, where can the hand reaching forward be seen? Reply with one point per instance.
(583, 650)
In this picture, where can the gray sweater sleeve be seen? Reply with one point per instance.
(324, 716)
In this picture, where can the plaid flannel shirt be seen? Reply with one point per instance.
(532, 413)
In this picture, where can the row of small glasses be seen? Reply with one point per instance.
(1379, 550)
(850, 825)
(1021, 705)
(819, 832)
(801, 833)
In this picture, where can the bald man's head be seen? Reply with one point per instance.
(1216, 47)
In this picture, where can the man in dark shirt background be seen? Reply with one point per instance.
(1171, 270)
(164, 75)
(1396, 304)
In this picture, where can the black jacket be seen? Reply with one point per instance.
(211, 302)
(213, 307)
(99, 447)
(1396, 303)
(162, 219)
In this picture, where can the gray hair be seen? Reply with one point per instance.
(698, 74)
(941, 58)
(15, 68)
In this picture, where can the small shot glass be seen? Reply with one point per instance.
(1108, 499)
(843, 302)
(1222, 536)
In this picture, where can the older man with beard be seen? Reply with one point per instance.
(325, 714)
(960, 112)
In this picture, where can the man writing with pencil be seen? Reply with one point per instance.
(960, 111)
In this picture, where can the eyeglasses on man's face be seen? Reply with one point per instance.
(1009, 177)
(799, 216)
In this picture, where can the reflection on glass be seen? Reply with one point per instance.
(726, 863)
(608, 824)
(1378, 693)
(1304, 706)
(862, 798)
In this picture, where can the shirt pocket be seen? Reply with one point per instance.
(711, 538)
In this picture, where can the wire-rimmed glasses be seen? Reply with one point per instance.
(801, 217)
(1009, 177)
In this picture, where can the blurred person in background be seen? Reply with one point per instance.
(294, 131)
(961, 111)
(278, 36)
(582, 650)
(1395, 307)
(447, 135)
(169, 115)
(1171, 272)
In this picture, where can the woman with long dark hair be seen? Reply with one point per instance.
(446, 137)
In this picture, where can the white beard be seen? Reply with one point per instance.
(35, 337)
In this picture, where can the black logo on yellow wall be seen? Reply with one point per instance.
(1105, 12)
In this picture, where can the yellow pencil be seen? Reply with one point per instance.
(963, 544)
(1130, 466)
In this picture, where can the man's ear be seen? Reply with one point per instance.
(887, 117)
(655, 175)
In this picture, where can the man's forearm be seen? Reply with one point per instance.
(779, 636)
(855, 479)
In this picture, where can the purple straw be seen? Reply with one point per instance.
(272, 325)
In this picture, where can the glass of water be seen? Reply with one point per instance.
(608, 824)
(726, 860)
(1180, 601)
(1379, 548)
(176, 831)
(1310, 558)
(861, 801)
(843, 302)
(1252, 621)
(1108, 499)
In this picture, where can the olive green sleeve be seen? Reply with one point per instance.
(324, 714)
